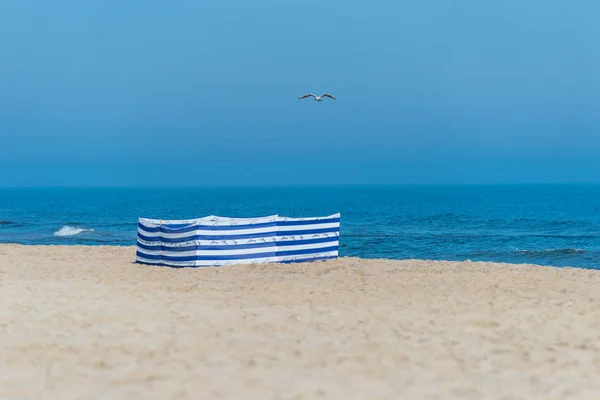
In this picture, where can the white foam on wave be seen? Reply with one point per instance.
(71, 231)
(567, 250)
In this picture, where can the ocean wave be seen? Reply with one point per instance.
(478, 220)
(70, 231)
(567, 250)
(464, 235)
(6, 224)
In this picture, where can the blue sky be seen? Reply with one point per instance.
(205, 92)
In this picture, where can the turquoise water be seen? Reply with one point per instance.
(543, 224)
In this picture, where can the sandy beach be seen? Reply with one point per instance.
(88, 323)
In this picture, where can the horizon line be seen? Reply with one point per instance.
(320, 185)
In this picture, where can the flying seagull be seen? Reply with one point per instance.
(317, 98)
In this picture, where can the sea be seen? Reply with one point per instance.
(555, 225)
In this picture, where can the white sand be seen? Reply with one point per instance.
(87, 323)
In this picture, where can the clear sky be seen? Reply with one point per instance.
(205, 92)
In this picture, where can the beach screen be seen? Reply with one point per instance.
(215, 241)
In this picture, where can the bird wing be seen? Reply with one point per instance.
(328, 95)
(307, 95)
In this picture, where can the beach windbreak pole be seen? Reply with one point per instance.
(216, 241)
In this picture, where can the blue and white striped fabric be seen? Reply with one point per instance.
(215, 241)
